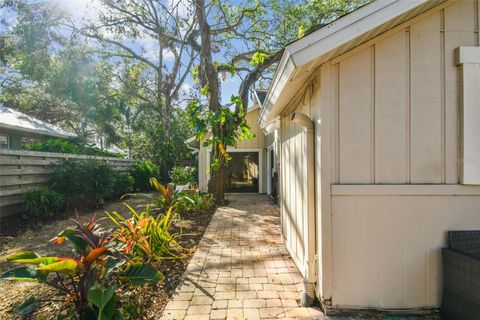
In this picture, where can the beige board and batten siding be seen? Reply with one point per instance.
(22, 171)
(387, 115)
(293, 176)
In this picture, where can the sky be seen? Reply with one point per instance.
(84, 10)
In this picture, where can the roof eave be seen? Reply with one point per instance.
(316, 45)
(37, 132)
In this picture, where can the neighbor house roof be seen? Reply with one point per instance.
(261, 94)
(15, 120)
(302, 57)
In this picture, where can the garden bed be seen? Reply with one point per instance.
(154, 297)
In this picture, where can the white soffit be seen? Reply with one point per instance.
(330, 41)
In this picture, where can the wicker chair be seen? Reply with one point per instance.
(461, 276)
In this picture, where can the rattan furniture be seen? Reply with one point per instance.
(461, 276)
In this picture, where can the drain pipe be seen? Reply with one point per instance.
(309, 280)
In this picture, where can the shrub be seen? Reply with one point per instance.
(88, 183)
(123, 183)
(54, 145)
(90, 279)
(184, 175)
(98, 179)
(142, 172)
(66, 178)
(43, 203)
(69, 146)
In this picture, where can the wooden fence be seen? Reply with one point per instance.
(22, 171)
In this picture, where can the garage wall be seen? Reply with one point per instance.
(388, 116)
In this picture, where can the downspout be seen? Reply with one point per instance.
(309, 280)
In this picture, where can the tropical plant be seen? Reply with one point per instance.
(145, 237)
(167, 195)
(193, 202)
(69, 146)
(43, 203)
(183, 175)
(88, 280)
(142, 172)
(180, 201)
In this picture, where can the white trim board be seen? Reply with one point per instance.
(404, 190)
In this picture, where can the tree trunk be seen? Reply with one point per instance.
(217, 184)
(209, 76)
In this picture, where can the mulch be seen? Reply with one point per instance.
(16, 236)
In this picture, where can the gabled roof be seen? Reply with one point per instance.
(302, 57)
(15, 120)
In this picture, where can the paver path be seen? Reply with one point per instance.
(241, 268)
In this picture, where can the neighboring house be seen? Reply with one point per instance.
(253, 161)
(17, 127)
(378, 115)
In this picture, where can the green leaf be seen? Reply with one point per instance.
(258, 58)
(205, 90)
(23, 255)
(99, 296)
(195, 74)
(301, 32)
(68, 266)
(27, 307)
(139, 273)
(24, 274)
(108, 311)
(80, 244)
(39, 261)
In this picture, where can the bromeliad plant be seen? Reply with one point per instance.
(145, 237)
(89, 280)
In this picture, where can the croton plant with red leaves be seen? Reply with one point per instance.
(88, 280)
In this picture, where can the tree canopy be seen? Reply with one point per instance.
(145, 75)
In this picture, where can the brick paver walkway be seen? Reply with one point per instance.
(241, 268)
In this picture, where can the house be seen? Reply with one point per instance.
(253, 161)
(378, 120)
(17, 127)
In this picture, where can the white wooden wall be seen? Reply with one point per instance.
(387, 115)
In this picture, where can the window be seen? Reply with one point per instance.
(4, 141)
(469, 60)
